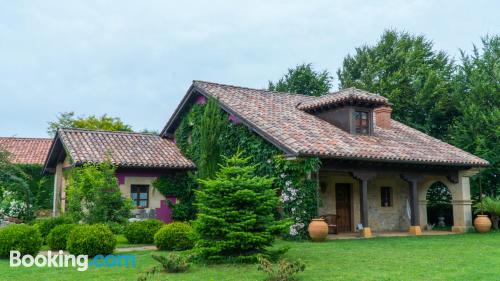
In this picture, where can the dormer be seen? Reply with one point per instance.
(352, 110)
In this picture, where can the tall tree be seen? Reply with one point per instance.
(415, 78)
(477, 128)
(210, 128)
(104, 122)
(303, 79)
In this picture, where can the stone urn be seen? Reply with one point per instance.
(318, 230)
(482, 223)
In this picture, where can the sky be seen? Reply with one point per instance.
(136, 59)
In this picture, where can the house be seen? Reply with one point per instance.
(139, 158)
(26, 150)
(375, 171)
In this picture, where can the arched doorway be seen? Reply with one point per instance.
(439, 207)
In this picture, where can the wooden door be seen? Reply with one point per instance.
(343, 206)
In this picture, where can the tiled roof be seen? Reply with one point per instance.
(124, 149)
(26, 150)
(276, 116)
(349, 95)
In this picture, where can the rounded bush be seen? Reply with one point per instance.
(46, 225)
(20, 237)
(92, 240)
(142, 232)
(175, 236)
(116, 227)
(57, 238)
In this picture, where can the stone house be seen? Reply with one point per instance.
(375, 171)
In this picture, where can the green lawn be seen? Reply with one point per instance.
(452, 257)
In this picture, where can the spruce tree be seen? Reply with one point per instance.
(235, 219)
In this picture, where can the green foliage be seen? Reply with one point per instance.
(91, 240)
(477, 128)
(40, 185)
(45, 225)
(181, 185)
(175, 236)
(211, 126)
(104, 122)
(173, 263)
(284, 271)
(93, 195)
(235, 219)
(116, 227)
(57, 238)
(15, 194)
(142, 232)
(267, 158)
(415, 78)
(303, 79)
(491, 206)
(20, 237)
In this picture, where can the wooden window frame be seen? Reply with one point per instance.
(358, 129)
(138, 200)
(382, 197)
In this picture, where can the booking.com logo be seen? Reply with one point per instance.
(81, 262)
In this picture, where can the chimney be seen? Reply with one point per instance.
(383, 117)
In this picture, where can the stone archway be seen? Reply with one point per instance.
(439, 206)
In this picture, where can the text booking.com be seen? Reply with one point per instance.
(80, 262)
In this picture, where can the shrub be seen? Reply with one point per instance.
(115, 227)
(57, 238)
(142, 232)
(46, 225)
(21, 237)
(285, 270)
(172, 263)
(235, 219)
(91, 240)
(175, 236)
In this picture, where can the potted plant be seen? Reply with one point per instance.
(318, 230)
(491, 206)
(482, 222)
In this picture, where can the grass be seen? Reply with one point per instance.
(451, 257)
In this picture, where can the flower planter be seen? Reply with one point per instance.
(482, 223)
(318, 230)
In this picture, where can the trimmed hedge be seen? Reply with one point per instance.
(46, 225)
(21, 237)
(142, 232)
(92, 240)
(175, 236)
(116, 227)
(57, 238)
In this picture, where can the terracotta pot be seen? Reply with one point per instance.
(482, 223)
(318, 230)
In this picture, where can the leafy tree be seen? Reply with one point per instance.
(303, 79)
(415, 78)
(235, 219)
(210, 128)
(15, 194)
(104, 122)
(93, 195)
(477, 127)
(181, 185)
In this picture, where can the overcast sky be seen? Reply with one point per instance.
(136, 59)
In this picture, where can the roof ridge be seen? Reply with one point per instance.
(253, 89)
(26, 138)
(106, 131)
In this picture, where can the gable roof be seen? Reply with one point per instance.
(26, 150)
(123, 149)
(276, 117)
(345, 96)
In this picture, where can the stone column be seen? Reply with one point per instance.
(462, 211)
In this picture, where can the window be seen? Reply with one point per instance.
(362, 122)
(386, 196)
(140, 195)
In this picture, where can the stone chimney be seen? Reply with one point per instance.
(383, 117)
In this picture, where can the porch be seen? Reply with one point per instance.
(356, 235)
(388, 200)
